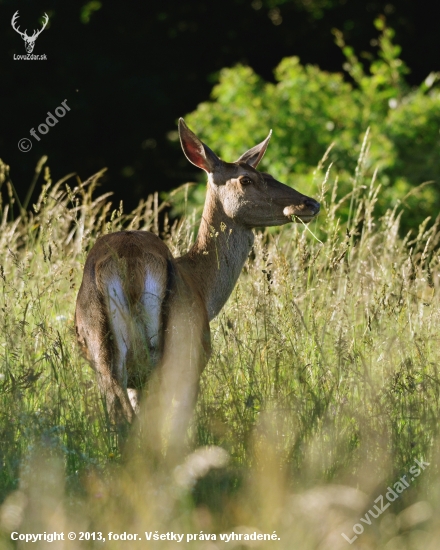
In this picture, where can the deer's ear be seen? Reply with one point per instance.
(196, 151)
(254, 155)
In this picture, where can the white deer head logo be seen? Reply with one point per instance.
(29, 41)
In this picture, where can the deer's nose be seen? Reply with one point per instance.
(313, 205)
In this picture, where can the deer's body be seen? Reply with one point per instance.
(141, 310)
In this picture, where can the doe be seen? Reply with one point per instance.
(140, 310)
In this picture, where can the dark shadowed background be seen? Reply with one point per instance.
(129, 70)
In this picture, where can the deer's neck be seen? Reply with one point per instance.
(215, 261)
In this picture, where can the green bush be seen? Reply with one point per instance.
(310, 109)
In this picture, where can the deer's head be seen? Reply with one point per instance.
(249, 197)
(29, 41)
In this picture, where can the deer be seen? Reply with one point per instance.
(140, 311)
(29, 41)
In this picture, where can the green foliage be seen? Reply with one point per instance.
(88, 9)
(310, 109)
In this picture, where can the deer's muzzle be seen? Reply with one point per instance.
(305, 211)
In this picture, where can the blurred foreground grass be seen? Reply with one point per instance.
(322, 390)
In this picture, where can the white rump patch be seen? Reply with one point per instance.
(131, 331)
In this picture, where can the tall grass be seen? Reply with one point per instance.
(322, 390)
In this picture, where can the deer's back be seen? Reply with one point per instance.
(138, 259)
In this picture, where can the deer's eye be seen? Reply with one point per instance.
(245, 180)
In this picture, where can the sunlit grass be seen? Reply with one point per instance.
(322, 390)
